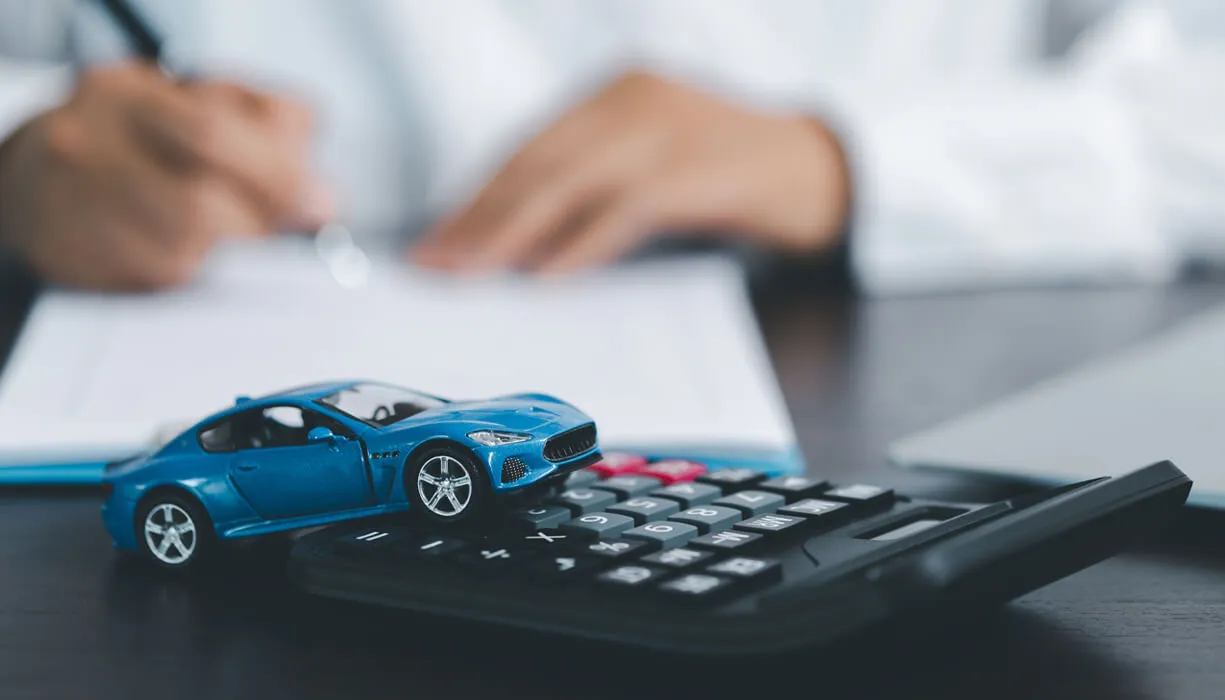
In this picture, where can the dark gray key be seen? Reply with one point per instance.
(817, 510)
(732, 479)
(644, 509)
(583, 500)
(631, 576)
(770, 522)
(604, 526)
(697, 588)
(709, 518)
(689, 494)
(794, 487)
(615, 549)
(663, 533)
(726, 540)
(752, 502)
(541, 517)
(862, 495)
(551, 539)
(678, 558)
(749, 569)
(581, 478)
(629, 485)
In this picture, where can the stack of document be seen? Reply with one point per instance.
(665, 355)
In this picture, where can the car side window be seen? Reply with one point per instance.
(281, 426)
(219, 436)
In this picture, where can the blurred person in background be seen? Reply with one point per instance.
(934, 144)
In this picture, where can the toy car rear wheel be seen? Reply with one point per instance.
(173, 531)
(446, 484)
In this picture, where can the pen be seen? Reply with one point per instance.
(334, 244)
(143, 38)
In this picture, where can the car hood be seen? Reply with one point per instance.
(518, 414)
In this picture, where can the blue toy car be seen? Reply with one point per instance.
(337, 451)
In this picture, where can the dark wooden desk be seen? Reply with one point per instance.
(75, 623)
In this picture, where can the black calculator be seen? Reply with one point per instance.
(730, 561)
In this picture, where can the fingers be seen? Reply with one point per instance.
(260, 142)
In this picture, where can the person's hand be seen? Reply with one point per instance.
(131, 182)
(644, 157)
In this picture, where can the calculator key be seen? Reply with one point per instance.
(696, 588)
(709, 518)
(770, 522)
(644, 509)
(584, 500)
(663, 533)
(581, 478)
(615, 463)
(432, 548)
(561, 568)
(690, 494)
(547, 539)
(794, 487)
(817, 510)
(732, 479)
(604, 526)
(678, 558)
(674, 471)
(543, 516)
(493, 559)
(373, 539)
(861, 494)
(726, 540)
(748, 569)
(631, 576)
(615, 549)
(752, 502)
(628, 486)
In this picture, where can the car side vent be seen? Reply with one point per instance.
(513, 469)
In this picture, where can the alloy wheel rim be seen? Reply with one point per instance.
(445, 486)
(170, 533)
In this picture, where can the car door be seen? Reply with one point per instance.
(283, 475)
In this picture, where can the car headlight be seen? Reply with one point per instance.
(493, 438)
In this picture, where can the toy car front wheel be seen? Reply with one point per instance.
(173, 531)
(445, 484)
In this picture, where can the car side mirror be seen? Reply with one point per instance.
(322, 434)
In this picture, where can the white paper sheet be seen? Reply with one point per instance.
(665, 353)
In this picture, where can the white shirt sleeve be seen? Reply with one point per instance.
(34, 73)
(1107, 167)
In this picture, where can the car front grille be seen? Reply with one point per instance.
(513, 469)
(570, 443)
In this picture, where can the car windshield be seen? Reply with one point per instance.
(380, 405)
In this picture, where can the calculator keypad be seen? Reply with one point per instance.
(673, 528)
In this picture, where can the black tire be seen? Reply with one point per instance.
(443, 460)
(192, 541)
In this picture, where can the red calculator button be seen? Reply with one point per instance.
(617, 463)
(672, 471)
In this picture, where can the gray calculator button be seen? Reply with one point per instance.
(602, 525)
(664, 533)
(583, 500)
(541, 517)
(644, 509)
(753, 502)
(709, 518)
(690, 494)
(580, 478)
(629, 485)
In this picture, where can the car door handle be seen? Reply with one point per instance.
(247, 467)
